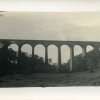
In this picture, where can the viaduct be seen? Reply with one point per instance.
(58, 44)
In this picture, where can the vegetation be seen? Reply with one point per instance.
(88, 63)
(9, 63)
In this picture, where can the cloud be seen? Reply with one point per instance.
(54, 26)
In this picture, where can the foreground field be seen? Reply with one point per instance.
(52, 79)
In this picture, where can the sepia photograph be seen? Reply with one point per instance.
(49, 49)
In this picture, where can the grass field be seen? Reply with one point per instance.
(52, 79)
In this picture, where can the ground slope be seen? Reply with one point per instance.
(52, 79)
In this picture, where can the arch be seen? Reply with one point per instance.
(65, 54)
(39, 50)
(77, 50)
(89, 48)
(53, 54)
(13, 53)
(27, 49)
(78, 56)
(13, 46)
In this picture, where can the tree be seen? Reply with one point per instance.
(12, 56)
(50, 61)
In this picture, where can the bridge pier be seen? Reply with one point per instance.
(32, 51)
(59, 57)
(83, 52)
(71, 58)
(19, 54)
(96, 48)
(46, 55)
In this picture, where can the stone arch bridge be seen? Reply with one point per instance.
(58, 44)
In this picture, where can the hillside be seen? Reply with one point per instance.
(90, 62)
(88, 74)
(52, 79)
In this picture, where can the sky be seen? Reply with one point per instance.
(68, 26)
(51, 26)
